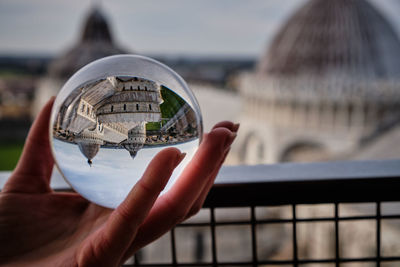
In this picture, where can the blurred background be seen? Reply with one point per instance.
(308, 80)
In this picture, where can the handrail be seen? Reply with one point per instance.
(295, 183)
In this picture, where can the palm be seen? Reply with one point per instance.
(41, 227)
(58, 221)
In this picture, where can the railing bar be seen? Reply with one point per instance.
(173, 247)
(366, 259)
(272, 221)
(378, 233)
(254, 236)
(136, 259)
(213, 240)
(295, 261)
(281, 262)
(337, 256)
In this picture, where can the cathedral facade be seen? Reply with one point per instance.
(329, 81)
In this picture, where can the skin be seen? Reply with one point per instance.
(40, 227)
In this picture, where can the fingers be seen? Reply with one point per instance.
(202, 197)
(109, 244)
(172, 207)
(195, 176)
(234, 127)
(33, 171)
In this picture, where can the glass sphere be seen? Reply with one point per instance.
(113, 116)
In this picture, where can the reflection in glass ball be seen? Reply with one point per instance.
(113, 116)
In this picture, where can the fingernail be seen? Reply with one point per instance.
(180, 158)
(236, 127)
(230, 139)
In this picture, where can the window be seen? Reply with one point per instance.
(137, 106)
(150, 106)
(124, 106)
(112, 108)
(138, 87)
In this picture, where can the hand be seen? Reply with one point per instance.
(41, 227)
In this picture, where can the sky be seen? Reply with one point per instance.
(173, 27)
(113, 172)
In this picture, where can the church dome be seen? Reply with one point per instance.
(96, 28)
(136, 139)
(348, 37)
(96, 42)
(89, 142)
(89, 150)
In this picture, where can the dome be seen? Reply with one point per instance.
(96, 42)
(136, 139)
(96, 28)
(132, 148)
(89, 151)
(347, 37)
(89, 142)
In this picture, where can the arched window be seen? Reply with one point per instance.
(112, 108)
(131, 87)
(150, 106)
(124, 106)
(138, 87)
(83, 107)
(87, 111)
(137, 106)
(145, 88)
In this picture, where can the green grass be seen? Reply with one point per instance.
(4, 74)
(172, 103)
(153, 126)
(9, 155)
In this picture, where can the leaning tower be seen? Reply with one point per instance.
(329, 79)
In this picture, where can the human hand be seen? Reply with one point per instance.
(41, 227)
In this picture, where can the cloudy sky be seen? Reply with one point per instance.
(207, 27)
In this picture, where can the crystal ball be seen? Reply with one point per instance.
(113, 116)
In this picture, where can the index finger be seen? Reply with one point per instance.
(110, 243)
(173, 206)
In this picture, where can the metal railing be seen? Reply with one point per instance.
(294, 187)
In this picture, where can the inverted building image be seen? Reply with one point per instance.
(123, 113)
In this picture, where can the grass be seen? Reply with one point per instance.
(9, 155)
(172, 103)
(153, 126)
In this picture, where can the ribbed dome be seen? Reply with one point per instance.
(133, 148)
(89, 150)
(334, 37)
(96, 42)
(96, 28)
(136, 139)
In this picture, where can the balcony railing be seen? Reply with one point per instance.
(347, 208)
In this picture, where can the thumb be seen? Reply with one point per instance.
(33, 171)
